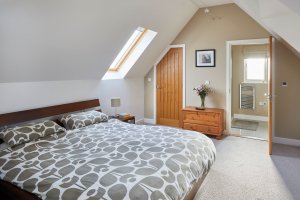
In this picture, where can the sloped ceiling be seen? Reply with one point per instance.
(78, 40)
(207, 3)
(279, 17)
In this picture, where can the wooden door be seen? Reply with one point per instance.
(270, 96)
(169, 88)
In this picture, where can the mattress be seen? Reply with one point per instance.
(112, 160)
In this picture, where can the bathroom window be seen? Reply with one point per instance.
(255, 70)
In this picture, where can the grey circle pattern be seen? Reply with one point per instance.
(82, 119)
(111, 160)
(29, 132)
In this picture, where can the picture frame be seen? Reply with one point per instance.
(205, 58)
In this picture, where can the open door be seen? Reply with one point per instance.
(267, 128)
(270, 96)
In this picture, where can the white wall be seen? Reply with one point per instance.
(279, 17)
(29, 95)
(131, 92)
(57, 40)
(47, 47)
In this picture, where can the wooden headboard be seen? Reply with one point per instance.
(28, 115)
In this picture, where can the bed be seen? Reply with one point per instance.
(107, 160)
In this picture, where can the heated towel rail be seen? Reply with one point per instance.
(247, 96)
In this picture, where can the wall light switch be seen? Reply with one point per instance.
(149, 79)
(263, 103)
(207, 82)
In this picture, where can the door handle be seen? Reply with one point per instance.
(269, 96)
(158, 87)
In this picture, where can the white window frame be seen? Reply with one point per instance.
(130, 53)
(246, 80)
(127, 49)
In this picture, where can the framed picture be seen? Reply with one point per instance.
(205, 58)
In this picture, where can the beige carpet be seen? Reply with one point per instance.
(244, 170)
(244, 124)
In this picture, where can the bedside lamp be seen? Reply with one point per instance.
(115, 103)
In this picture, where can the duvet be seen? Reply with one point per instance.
(111, 160)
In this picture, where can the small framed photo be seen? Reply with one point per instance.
(205, 58)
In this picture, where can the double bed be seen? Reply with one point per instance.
(104, 160)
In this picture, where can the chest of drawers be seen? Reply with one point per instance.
(208, 121)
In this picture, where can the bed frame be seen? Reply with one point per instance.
(8, 190)
(11, 192)
(28, 115)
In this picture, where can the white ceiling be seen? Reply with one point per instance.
(279, 17)
(78, 40)
(207, 3)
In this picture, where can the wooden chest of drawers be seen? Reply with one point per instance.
(209, 121)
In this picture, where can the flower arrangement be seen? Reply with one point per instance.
(203, 91)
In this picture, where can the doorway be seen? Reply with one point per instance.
(249, 84)
(169, 89)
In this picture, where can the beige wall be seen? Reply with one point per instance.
(203, 32)
(149, 94)
(287, 107)
(239, 53)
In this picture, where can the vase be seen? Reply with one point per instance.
(202, 97)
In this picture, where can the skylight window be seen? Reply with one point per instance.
(130, 53)
(130, 44)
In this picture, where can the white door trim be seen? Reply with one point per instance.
(229, 45)
(183, 75)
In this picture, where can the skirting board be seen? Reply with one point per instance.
(280, 140)
(251, 117)
(139, 121)
(149, 121)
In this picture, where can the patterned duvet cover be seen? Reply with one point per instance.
(112, 160)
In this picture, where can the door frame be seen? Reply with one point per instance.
(183, 75)
(229, 45)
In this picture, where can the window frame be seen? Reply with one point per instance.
(127, 53)
(246, 80)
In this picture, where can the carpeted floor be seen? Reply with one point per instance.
(243, 170)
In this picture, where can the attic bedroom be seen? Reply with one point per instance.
(172, 99)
